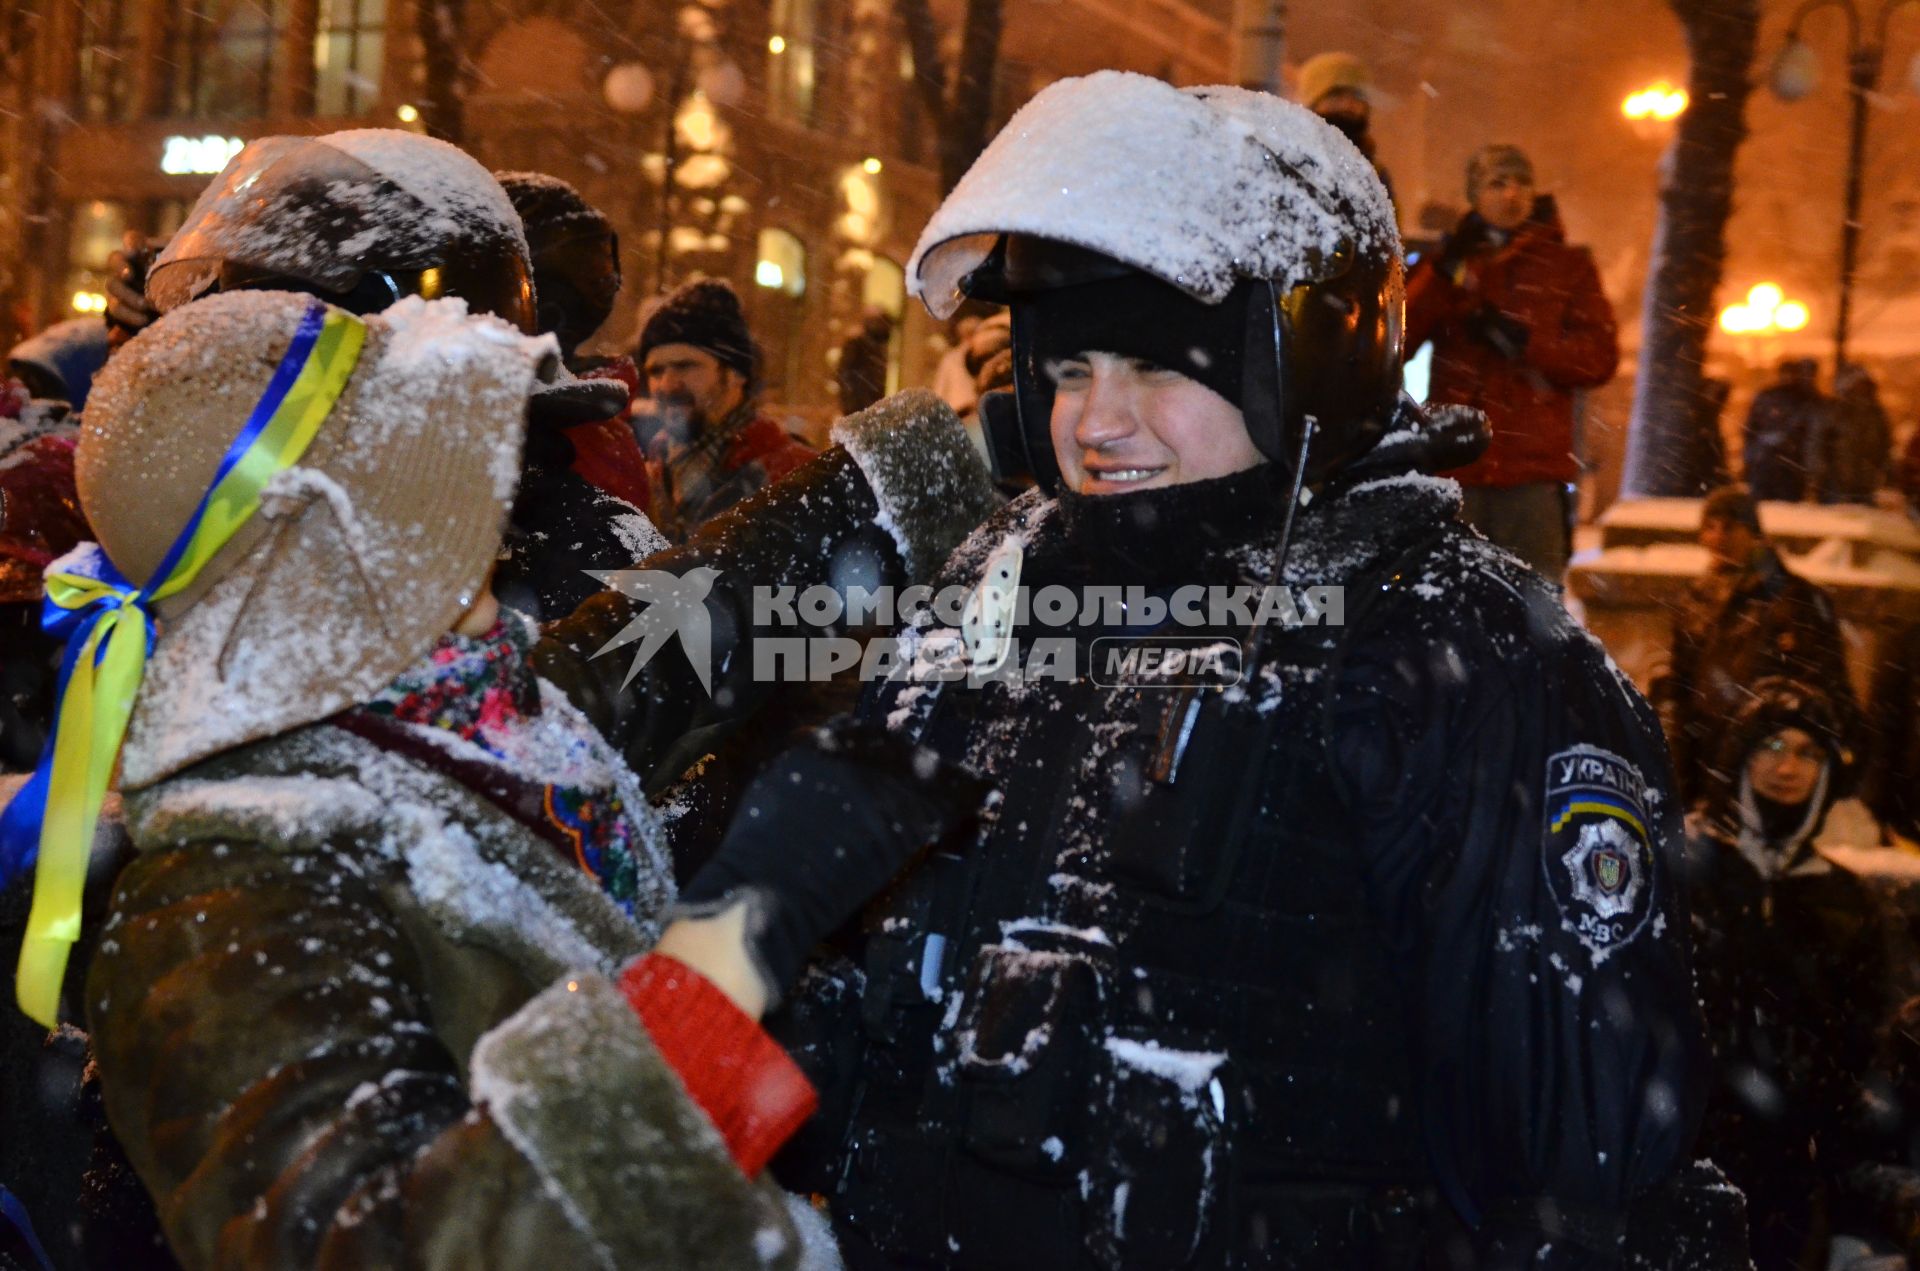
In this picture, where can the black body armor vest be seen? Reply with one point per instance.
(1146, 1020)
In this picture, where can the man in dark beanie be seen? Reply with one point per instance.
(1749, 617)
(712, 448)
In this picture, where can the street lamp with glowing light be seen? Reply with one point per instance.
(1796, 72)
(408, 113)
(777, 45)
(871, 167)
(1660, 102)
(1765, 312)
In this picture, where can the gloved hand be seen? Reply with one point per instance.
(1450, 259)
(1504, 334)
(568, 401)
(128, 311)
(818, 833)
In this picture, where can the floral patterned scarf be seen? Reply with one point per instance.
(549, 772)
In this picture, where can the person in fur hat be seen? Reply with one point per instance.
(391, 979)
(713, 448)
(1793, 959)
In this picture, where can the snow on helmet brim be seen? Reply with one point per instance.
(1199, 187)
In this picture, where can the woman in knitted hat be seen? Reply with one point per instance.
(1793, 959)
(376, 989)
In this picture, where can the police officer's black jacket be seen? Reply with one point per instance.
(1382, 946)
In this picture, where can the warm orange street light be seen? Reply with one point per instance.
(1659, 101)
(1765, 312)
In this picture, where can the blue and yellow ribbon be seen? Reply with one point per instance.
(107, 625)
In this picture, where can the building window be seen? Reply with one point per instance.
(348, 52)
(885, 289)
(782, 263)
(94, 233)
(791, 60)
(223, 54)
(780, 277)
(107, 46)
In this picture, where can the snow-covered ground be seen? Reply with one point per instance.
(1639, 521)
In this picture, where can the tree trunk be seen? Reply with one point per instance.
(970, 103)
(442, 28)
(961, 109)
(1668, 451)
(923, 42)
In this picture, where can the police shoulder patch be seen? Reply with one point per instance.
(1597, 847)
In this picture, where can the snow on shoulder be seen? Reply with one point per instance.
(1138, 170)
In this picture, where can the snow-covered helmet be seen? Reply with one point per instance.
(360, 218)
(1269, 235)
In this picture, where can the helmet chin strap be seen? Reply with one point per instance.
(1296, 484)
(1277, 570)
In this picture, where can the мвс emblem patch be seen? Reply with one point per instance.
(1597, 848)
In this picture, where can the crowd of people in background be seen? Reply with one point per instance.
(1784, 771)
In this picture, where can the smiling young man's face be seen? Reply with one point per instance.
(1122, 424)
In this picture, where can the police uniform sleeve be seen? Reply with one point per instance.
(1524, 856)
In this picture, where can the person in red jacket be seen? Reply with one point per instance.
(1519, 324)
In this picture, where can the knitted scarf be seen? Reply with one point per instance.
(482, 690)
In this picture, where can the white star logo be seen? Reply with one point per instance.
(676, 605)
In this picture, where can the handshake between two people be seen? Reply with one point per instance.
(820, 832)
